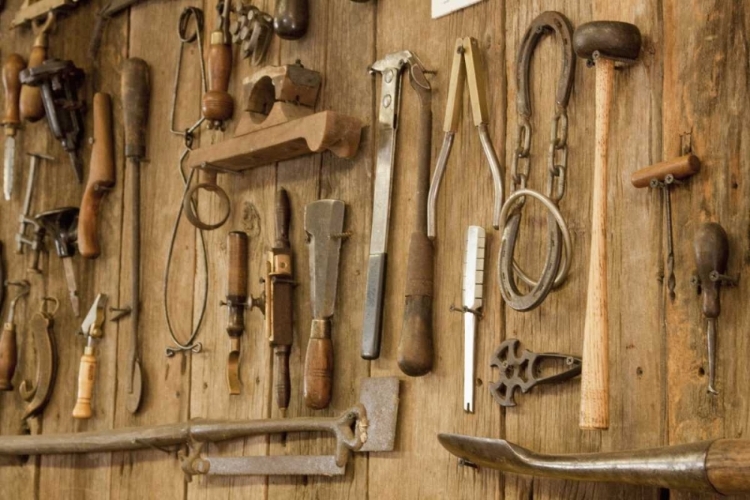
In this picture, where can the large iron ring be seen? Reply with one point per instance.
(556, 266)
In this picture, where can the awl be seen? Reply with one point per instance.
(12, 68)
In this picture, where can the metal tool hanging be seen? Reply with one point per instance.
(523, 369)
(468, 70)
(60, 82)
(36, 239)
(664, 176)
(252, 31)
(190, 15)
(8, 341)
(558, 259)
(12, 68)
(37, 393)
(324, 223)
(389, 68)
(472, 302)
(367, 426)
(92, 330)
(711, 247)
(61, 224)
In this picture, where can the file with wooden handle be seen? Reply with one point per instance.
(101, 177)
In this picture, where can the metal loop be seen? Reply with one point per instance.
(43, 306)
(556, 266)
(188, 14)
(191, 213)
(194, 347)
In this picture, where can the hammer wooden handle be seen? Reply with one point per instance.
(8, 356)
(218, 105)
(31, 105)
(281, 377)
(86, 377)
(318, 377)
(680, 168)
(595, 374)
(291, 19)
(12, 88)
(101, 177)
(415, 348)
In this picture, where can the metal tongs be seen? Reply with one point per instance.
(468, 66)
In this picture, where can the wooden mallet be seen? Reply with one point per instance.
(603, 44)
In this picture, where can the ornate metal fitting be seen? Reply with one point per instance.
(522, 371)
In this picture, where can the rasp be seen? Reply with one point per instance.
(473, 291)
(390, 96)
(324, 223)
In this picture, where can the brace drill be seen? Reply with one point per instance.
(555, 271)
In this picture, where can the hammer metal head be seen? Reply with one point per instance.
(608, 39)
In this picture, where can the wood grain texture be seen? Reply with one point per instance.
(691, 76)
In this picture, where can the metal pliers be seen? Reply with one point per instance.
(467, 66)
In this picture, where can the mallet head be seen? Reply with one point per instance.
(609, 40)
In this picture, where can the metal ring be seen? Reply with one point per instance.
(182, 26)
(189, 206)
(558, 260)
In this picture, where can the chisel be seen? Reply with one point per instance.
(12, 119)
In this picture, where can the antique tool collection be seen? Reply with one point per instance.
(277, 122)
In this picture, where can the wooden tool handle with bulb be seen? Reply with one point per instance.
(31, 105)
(86, 377)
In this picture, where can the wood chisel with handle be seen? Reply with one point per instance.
(324, 223)
(12, 68)
(91, 328)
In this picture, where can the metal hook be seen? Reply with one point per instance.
(25, 287)
(43, 306)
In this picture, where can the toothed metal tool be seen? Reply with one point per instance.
(473, 292)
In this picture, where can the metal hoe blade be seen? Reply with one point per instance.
(324, 223)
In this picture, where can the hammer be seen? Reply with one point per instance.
(603, 44)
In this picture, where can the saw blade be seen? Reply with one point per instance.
(10, 156)
(324, 222)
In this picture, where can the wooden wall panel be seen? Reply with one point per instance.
(692, 76)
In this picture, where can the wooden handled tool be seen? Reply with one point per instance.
(91, 328)
(603, 43)
(218, 105)
(31, 105)
(705, 466)
(279, 290)
(8, 342)
(324, 222)
(12, 68)
(101, 177)
(136, 93)
(12, 89)
(415, 348)
(237, 244)
(292, 19)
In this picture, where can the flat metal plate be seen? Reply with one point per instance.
(280, 465)
(380, 397)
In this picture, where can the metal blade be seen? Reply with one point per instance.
(70, 278)
(472, 301)
(380, 397)
(95, 317)
(324, 223)
(10, 156)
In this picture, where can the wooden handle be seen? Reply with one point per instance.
(728, 466)
(86, 377)
(237, 243)
(291, 19)
(595, 374)
(101, 177)
(281, 377)
(218, 105)
(8, 356)
(31, 105)
(12, 88)
(415, 349)
(318, 378)
(283, 214)
(680, 168)
(135, 91)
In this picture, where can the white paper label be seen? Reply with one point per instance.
(443, 7)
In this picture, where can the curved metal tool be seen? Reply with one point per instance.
(521, 369)
(8, 343)
(711, 247)
(706, 466)
(468, 70)
(37, 395)
(556, 265)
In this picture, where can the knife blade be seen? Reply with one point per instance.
(472, 301)
(8, 166)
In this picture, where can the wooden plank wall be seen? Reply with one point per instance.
(692, 77)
